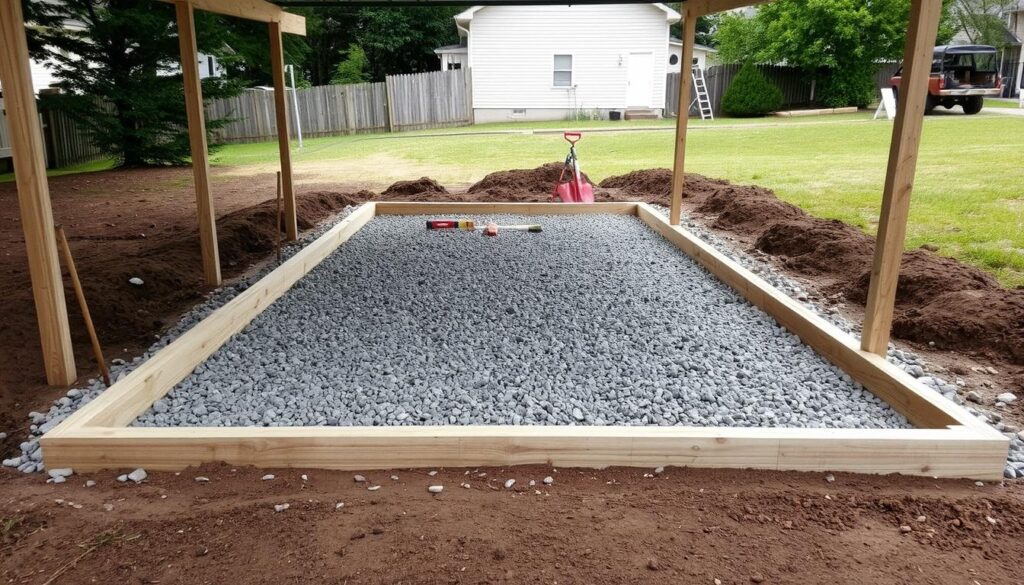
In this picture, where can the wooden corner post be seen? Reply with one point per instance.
(899, 176)
(683, 116)
(291, 225)
(197, 142)
(34, 197)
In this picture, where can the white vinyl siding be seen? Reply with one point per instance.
(512, 54)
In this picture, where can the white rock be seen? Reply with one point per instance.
(431, 473)
(202, 479)
(339, 505)
(268, 477)
(830, 478)
(373, 488)
(1006, 397)
(122, 478)
(435, 489)
(358, 478)
(510, 483)
(304, 477)
(58, 479)
(659, 470)
(90, 483)
(394, 478)
(281, 507)
(138, 475)
(135, 280)
(64, 472)
(549, 480)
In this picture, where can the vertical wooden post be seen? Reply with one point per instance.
(197, 142)
(291, 225)
(899, 176)
(34, 197)
(683, 116)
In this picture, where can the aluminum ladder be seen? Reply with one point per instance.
(700, 87)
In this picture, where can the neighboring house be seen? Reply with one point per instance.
(704, 55)
(559, 62)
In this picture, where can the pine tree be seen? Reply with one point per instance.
(117, 62)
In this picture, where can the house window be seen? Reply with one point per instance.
(563, 71)
(454, 66)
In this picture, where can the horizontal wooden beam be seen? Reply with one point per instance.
(473, 208)
(957, 452)
(703, 7)
(257, 10)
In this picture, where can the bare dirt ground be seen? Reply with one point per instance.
(615, 526)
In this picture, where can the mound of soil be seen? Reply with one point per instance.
(519, 184)
(938, 299)
(418, 190)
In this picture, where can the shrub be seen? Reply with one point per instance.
(751, 94)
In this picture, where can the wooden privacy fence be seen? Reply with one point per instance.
(790, 80)
(66, 142)
(402, 102)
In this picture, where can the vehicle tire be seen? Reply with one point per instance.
(973, 104)
(929, 104)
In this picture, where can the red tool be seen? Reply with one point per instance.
(447, 224)
(571, 187)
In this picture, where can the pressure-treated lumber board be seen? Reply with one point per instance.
(922, 406)
(291, 222)
(683, 116)
(197, 142)
(471, 208)
(899, 174)
(130, 397)
(257, 10)
(703, 7)
(940, 453)
(34, 197)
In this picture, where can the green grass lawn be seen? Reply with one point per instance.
(1001, 103)
(968, 197)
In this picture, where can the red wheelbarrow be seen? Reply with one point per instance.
(571, 186)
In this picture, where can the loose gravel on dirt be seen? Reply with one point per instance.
(597, 320)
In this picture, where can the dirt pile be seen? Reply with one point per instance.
(938, 299)
(420, 189)
(519, 184)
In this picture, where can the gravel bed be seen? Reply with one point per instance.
(597, 320)
(30, 459)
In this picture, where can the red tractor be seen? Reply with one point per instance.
(962, 75)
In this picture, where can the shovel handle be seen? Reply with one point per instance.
(572, 137)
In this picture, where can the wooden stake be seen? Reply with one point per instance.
(277, 220)
(62, 240)
(683, 116)
(34, 198)
(899, 176)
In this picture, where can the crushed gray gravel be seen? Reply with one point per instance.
(598, 320)
(30, 459)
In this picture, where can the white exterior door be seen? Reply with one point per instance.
(640, 80)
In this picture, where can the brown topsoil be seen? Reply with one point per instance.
(613, 526)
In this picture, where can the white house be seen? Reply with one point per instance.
(558, 62)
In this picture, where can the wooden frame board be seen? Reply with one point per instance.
(948, 442)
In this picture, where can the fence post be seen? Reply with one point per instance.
(389, 105)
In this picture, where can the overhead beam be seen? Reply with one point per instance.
(682, 117)
(899, 174)
(291, 226)
(257, 10)
(34, 197)
(703, 7)
(197, 143)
